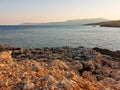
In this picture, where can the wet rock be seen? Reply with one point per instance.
(4, 48)
(113, 54)
(77, 58)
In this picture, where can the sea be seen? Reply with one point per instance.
(38, 36)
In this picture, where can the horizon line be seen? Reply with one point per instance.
(55, 21)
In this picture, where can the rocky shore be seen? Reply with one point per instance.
(61, 68)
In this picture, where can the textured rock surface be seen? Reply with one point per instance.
(62, 68)
(5, 57)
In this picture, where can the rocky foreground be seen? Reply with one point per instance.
(62, 68)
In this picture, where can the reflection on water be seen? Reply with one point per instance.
(54, 36)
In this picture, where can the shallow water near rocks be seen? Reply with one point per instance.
(58, 36)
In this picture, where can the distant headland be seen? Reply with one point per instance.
(113, 23)
(71, 22)
(94, 21)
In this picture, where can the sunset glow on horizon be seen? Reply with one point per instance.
(40, 11)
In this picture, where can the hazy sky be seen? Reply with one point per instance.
(20, 11)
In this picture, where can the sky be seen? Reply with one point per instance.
(40, 11)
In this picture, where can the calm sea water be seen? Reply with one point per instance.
(57, 36)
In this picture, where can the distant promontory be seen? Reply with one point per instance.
(71, 22)
(94, 21)
(113, 23)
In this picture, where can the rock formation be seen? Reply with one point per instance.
(62, 68)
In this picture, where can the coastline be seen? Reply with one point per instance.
(113, 24)
(63, 68)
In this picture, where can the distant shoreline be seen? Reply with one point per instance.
(114, 24)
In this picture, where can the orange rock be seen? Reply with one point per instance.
(58, 74)
(5, 57)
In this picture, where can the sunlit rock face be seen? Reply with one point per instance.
(5, 57)
(63, 68)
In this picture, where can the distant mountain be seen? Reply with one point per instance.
(114, 23)
(71, 22)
